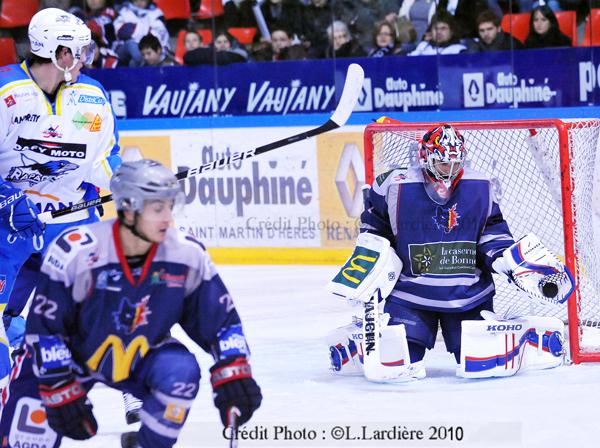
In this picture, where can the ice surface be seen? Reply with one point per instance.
(286, 314)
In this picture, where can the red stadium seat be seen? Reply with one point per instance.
(8, 55)
(180, 46)
(209, 9)
(592, 29)
(175, 9)
(245, 36)
(567, 22)
(517, 25)
(16, 13)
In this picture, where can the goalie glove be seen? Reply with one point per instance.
(536, 271)
(374, 265)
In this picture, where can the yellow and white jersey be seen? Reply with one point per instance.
(49, 149)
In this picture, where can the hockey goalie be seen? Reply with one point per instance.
(431, 237)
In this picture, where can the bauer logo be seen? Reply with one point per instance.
(473, 90)
(365, 100)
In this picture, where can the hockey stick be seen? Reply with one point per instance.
(232, 425)
(352, 88)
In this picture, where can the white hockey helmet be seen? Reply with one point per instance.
(53, 27)
(134, 183)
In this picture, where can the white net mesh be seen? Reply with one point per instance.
(526, 176)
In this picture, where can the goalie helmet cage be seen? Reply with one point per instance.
(543, 174)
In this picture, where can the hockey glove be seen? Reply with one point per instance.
(233, 385)
(68, 410)
(19, 213)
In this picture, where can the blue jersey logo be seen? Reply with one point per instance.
(446, 218)
(131, 316)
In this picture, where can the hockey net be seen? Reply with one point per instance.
(525, 160)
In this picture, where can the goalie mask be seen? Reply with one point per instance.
(442, 157)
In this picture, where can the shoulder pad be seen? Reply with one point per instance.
(65, 248)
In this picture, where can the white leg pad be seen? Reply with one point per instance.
(497, 348)
(346, 351)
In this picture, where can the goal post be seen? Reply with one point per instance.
(544, 175)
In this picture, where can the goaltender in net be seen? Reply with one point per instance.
(432, 235)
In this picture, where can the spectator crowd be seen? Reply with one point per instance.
(136, 33)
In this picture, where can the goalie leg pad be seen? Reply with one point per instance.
(343, 349)
(498, 348)
(451, 326)
(346, 352)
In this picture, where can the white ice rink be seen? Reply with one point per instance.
(286, 314)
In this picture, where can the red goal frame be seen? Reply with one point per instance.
(568, 210)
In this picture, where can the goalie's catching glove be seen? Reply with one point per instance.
(536, 271)
(233, 385)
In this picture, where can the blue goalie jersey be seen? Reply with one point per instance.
(108, 316)
(446, 250)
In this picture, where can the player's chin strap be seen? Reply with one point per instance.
(133, 227)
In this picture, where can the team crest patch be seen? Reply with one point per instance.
(52, 132)
(446, 218)
(131, 316)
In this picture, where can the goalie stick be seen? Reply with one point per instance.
(352, 88)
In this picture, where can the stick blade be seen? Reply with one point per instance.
(352, 88)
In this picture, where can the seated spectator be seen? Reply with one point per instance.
(280, 39)
(137, 19)
(317, 17)
(419, 13)
(294, 52)
(223, 51)
(407, 35)
(192, 40)
(153, 52)
(341, 43)
(99, 18)
(491, 36)
(444, 37)
(544, 31)
(360, 15)
(384, 40)
(103, 57)
(285, 14)
(261, 51)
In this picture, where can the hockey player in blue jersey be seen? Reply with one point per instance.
(108, 296)
(431, 237)
(57, 142)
